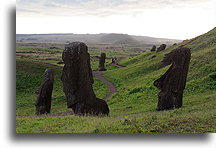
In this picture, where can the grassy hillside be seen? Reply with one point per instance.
(136, 92)
(133, 107)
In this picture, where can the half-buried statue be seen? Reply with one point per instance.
(172, 83)
(43, 102)
(77, 81)
(102, 62)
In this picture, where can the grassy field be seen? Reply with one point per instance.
(133, 107)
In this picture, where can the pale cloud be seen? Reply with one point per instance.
(101, 7)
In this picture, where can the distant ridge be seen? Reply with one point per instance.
(102, 38)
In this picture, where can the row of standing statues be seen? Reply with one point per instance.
(77, 79)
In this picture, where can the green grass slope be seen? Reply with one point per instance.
(136, 93)
(133, 107)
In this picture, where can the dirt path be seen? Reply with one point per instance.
(112, 88)
(99, 75)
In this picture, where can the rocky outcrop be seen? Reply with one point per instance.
(172, 83)
(102, 62)
(77, 81)
(43, 101)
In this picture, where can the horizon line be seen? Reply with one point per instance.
(96, 34)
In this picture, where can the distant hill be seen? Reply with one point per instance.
(112, 38)
(103, 38)
(128, 41)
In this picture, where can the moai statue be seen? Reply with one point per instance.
(43, 101)
(102, 62)
(77, 81)
(153, 48)
(172, 83)
(162, 47)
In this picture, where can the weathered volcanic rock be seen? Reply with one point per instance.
(43, 101)
(102, 62)
(162, 47)
(77, 81)
(172, 83)
(153, 48)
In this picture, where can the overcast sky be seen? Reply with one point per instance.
(177, 19)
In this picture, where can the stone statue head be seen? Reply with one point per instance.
(74, 52)
(49, 74)
(176, 57)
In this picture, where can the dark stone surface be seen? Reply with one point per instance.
(172, 83)
(162, 47)
(77, 81)
(43, 101)
(102, 62)
(153, 48)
